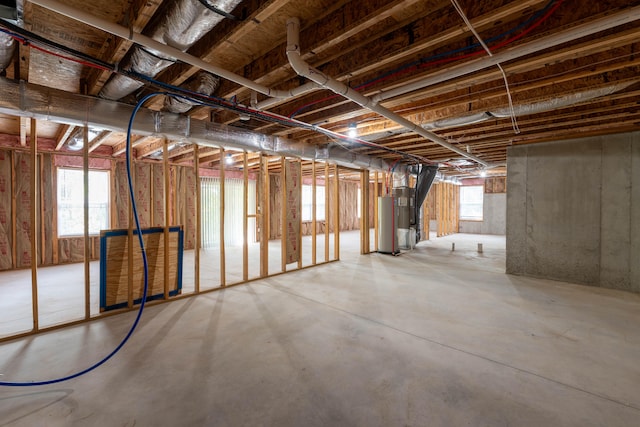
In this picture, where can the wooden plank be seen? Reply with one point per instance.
(34, 223)
(42, 234)
(196, 152)
(363, 249)
(336, 195)
(130, 243)
(63, 135)
(265, 213)
(14, 227)
(165, 230)
(23, 131)
(223, 259)
(299, 236)
(245, 218)
(283, 214)
(314, 222)
(327, 218)
(54, 218)
(376, 194)
(87, 240)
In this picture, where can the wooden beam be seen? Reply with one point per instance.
(87, 239)
(165, 231)
(24, 121)
(336, 196)
(314, 222)
(98, 140)
(223, 259)
(34, 223)
(245, 218)
(264, 216)
(327, 216)
(63, 135)
(299, 236)
(283, 215)
(196, 153)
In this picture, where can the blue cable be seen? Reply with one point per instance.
(144, 260)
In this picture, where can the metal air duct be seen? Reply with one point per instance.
(45, 103)
(7, 47)
(185, 23)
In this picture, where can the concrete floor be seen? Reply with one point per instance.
(429, 338)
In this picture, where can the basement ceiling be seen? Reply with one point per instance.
(587, 84)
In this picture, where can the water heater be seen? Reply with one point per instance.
(387, 226)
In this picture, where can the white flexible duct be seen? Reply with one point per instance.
(582, 30)
(185, 23)
(203, 82)
(7, 47)
(154, 45)
(524, 109)
(305, 70)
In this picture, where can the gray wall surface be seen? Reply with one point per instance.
(573, 211)
(494, 216)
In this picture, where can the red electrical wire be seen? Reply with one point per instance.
(444, 60)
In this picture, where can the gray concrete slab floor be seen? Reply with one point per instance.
(433, 337)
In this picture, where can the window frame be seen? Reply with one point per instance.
(76, 206)
(463, 214)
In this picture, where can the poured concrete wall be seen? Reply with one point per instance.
(494, 212)
(573, 211)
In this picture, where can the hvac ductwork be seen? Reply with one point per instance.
(533, 108)
(185, 23)
(44, 103)
(203, 82)
(306, 70)
(7, 47)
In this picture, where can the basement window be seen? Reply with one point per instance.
(471, 202)
(71, 202)
(307, 203)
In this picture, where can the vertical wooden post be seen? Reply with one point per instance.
(314, 258)
(299, 236)
(283, 215)
(223, 260)
(336, 235)
(376, 194)
(245, 219)
(43, 241)
(14, 225)
(196, 276)
(327, 218)
(165, 168)
(265, 217)
(363, 244)
(130, 242)
(34, 222)
(87, 255)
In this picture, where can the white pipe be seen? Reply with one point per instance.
(305, 70)
(148, 42)
(297, 91)
(588, 28)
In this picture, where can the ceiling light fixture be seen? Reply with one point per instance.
(228, 159)
(353, 130)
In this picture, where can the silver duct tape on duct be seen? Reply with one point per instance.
(7, 47)
(185, 23)
(44, 103)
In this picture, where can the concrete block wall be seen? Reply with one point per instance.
(573, 211)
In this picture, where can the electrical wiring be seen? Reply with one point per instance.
(145, 267)
(26, 37)
(535, 20)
